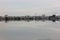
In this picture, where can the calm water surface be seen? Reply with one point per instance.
(30, 30)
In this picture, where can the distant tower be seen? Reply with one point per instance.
(6, 18)
(54, 15)
(6, 15)
(43, 15)
(53, 18)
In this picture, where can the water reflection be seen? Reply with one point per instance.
(30, 31)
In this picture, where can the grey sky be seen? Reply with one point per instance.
(28, 7)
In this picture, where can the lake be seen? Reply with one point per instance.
(34, 30)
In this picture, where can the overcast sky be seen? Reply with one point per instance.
(28, 7)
